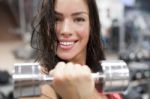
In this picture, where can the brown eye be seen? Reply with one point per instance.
(79, 19)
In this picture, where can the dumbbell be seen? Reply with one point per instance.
(27, 78)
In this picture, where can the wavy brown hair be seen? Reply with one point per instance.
(44, 36)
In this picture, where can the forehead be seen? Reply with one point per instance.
(71, 5)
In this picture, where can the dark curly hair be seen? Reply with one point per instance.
(44, 36)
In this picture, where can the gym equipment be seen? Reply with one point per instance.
(27, 78)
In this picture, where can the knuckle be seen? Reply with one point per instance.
(85, 67)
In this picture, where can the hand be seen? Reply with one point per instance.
(73, 81)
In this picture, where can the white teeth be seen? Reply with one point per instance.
(66, 43)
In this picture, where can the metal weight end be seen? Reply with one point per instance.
(117, 76)
(26, 80)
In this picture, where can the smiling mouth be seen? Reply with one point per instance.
(66, 43)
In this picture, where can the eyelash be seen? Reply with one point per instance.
(78, 19)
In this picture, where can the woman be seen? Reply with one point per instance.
(69, 48)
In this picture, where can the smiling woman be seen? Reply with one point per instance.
(69, 47)
(72, 30)
(66, 29)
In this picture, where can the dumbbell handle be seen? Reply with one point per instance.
(47, 78)
(114, 77)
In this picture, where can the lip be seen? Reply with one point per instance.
(67, 40)
(66, 44)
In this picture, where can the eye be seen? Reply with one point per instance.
(79, 19)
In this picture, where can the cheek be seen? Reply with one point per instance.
(57, 28)
(84, 33)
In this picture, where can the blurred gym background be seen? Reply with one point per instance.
(125, 35)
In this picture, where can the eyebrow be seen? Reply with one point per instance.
(74, 14)
(58, 13)
(79, 13)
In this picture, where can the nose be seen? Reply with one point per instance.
(66, 28)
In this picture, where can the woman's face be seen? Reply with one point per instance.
(72, 30)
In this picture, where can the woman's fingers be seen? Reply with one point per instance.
(71, 79)
(59, 68)
(65, 69)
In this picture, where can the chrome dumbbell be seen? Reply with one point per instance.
(27, 78)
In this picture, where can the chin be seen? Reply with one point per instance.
(66, 58)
